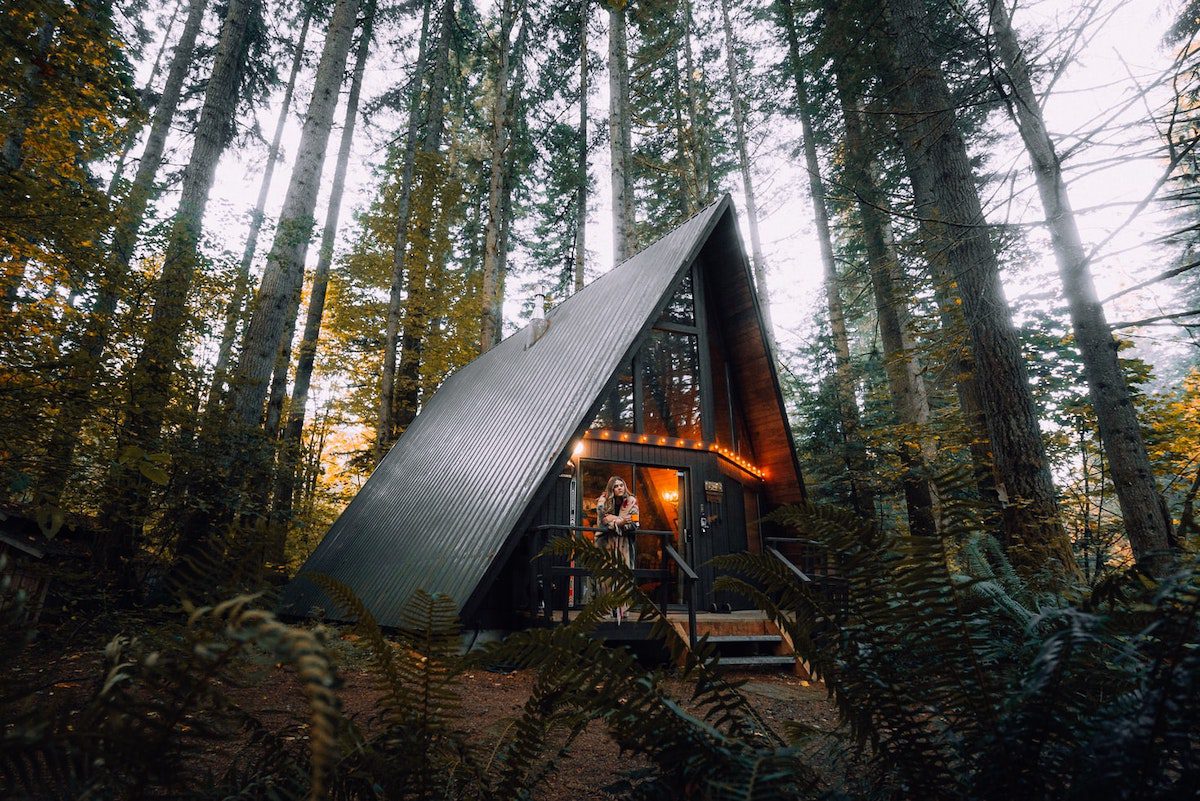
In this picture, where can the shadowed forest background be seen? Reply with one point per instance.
(993, 383)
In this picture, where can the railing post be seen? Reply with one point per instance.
(665, 579)
(691, 595)
(546, 578)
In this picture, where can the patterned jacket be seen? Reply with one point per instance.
(628, 514)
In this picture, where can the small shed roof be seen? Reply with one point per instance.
(440, 507)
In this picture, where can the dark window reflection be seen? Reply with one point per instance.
(616, 413)
(682, 308)
(670, 368)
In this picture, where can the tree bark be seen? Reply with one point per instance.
(494, 260)
(384, 425)
(1143, 510)
(739, 129)
(241, 287)
(581, 190)
(905, 381)
(277, 294)
(862, 497)
(83, 363)
(695, 134)
(619, 136)
(1036, 537)
(151, 377)
(289, 453)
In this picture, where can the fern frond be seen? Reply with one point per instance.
(724, 705)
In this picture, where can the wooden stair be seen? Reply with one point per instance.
(746, 641)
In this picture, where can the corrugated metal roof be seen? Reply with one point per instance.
(437, 511)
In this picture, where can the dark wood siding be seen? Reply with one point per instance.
(755, 385)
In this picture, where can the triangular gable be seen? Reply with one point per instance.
(437, 511)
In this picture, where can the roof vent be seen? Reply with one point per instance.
(538, 324)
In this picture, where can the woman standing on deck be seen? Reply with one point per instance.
(617, 513)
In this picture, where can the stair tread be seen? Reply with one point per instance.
(735, 661)
(728, 638)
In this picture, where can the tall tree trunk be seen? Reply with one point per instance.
(233, 310)
(699, 154)
(1037, 539)
(581, 189)
(619, 136)
(739, 129)
(862, 497)
(1143, 510)
(289, 454)
(238, 445)
(84, 362)
(285, 264)
(494, 259)
(905, 382)
(416, 319)
(384, 426)
(961, 359)
(131, 136)
(151, 377)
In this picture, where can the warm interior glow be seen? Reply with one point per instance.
(670, 496)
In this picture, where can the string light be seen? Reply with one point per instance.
(720, 450)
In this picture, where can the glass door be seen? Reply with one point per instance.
(663, 499)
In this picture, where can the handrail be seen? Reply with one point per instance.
(684, 566)
(689, 576)
(689, 584)
(797, 572)
(800, 540)
(599, 529)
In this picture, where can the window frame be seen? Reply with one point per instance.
(700, 332)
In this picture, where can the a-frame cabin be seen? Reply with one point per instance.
(658, 372)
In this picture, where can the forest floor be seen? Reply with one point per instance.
(490, 701)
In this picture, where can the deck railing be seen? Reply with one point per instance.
(546, 586)
(815, 565)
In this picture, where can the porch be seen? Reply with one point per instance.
(744, 638)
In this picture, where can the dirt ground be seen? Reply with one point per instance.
(489, 701)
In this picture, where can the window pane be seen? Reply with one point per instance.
(670, 366)
(722, 414)
(616, 414)
(681, 308)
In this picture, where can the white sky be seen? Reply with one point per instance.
(1128, 45)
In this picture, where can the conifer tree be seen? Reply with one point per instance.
(946, 195)
(286, 473)
(505, 99)
(385, 425)
(1143, 509)
(905, 381)
(83, 363)
(279, 291)
(732, 57)
(150, 381)
(620, 132)
(861, 493)
(241, 287)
